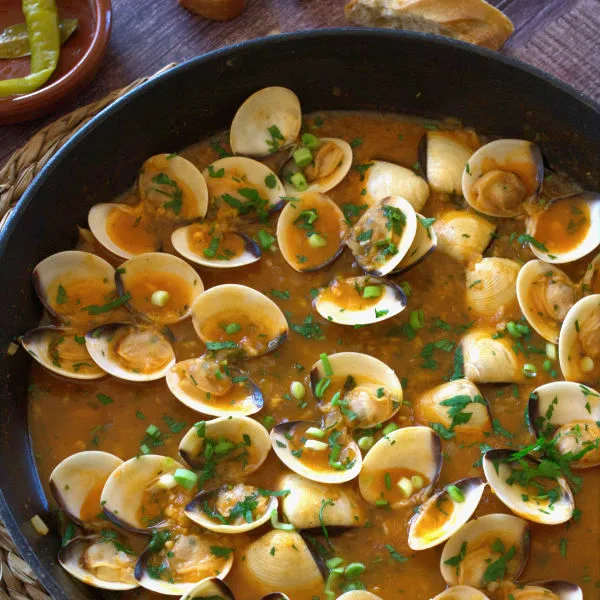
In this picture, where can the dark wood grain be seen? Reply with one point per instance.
(559, 36)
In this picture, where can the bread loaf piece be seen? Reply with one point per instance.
(473, 21)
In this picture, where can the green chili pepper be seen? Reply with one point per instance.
(14, 40)
(41, 17)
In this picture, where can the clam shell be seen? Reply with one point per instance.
(498, 472)
(211, 587)
(335, 306)
(293, 233)
(518, 157)
(410, 450)
(424, 243)
(461, 592)
(68, 357)
(591, 280)
(463, 235)
(387, 179)
(479, 535)
(358, 595)
(440, 503)
(563, 590)
(79, 478)
(265, 329)
(268, 107)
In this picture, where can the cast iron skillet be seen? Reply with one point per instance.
(328, 69)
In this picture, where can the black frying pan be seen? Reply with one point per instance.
(328, 69)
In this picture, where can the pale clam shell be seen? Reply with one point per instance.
(461, 592)
(424, 243)
(211, 587)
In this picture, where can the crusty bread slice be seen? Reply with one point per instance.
(473, 21)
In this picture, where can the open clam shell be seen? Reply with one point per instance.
(463, 235)
(130, 352)
(98, 562)
(134, 495)
(461, 592)
(121, 230)
(360, 300)
(77, 482)
(579, 341)
(369, 390)
(171, 187)
(326, 456)
(384, 235)
(71, 282)
(211, 587)
(591, 280)
(237, 445)
(388, 179)
(545, 295)
(444, 513)
(330, 163)
(424, 243)
(542, 590)
(358, 595)
(234, 249)
(310, 232)
(490, 360)
(144, 277)
(501, 176)
(490, 288)
(268, 120)
(442, 157)
(401, 468)
(61, 351)
(567, 229)
(482, 541)
(190, 559)
(215, 509)
(207, 388)
(437, 404)
(534, 498)
(310, 504)
(239, 319)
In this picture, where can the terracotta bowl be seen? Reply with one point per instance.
(79, 60)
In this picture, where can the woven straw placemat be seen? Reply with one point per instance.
(17, 580)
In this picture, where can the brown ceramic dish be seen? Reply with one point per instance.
(79, 59)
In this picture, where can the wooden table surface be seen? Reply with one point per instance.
(558, 36)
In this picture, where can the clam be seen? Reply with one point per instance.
(122, 230)
(324, 455)
(545, 295)
(490, 287)
(183, 562)
(461, 396)
(232, 508)
(570, 412)
(100, 561)
(232, 447)
(358, 595)
(445, 513)
(76, 483)
(209, 246)
(318, 168)
(61, 351)
(384, 235)
(361, 387)
(591, 280)
(281, 560)
(138, 491)
(463, 235)
(385, 179)
(159, 287)
(516, 483)
(360, 300)
(423, 244)
(130, 352)
(479, 543)
(75, 287)
(501, 176)
(211, 389)
(566, 229)
(401, 468)
(243, 187)
(310, 504)
(239, 319)
(443, 156)
(541, 590)
(172, 188)
(579, 341)
(489, 358)
(268, 120)
(211, 587)
(461, 592)
(310, 232)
